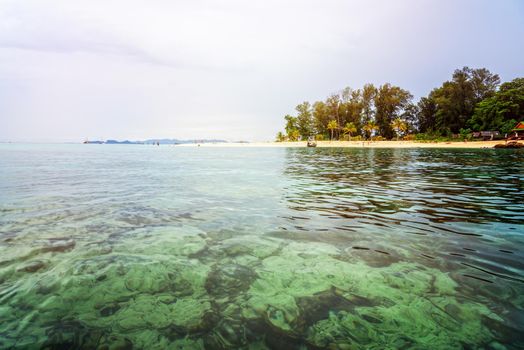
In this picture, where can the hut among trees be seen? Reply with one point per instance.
(518, 131)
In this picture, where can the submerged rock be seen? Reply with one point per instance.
(59, 245)
(154, 278)
(312, 294)
(192, 314)
(173, 241)
(109, 310)
(71, 334)
(115, 342)
(143, 312)
(32, 266)
(320, 305)
(229, 280)
(252, 245)
(245, 293)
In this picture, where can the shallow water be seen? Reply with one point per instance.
(120, 246)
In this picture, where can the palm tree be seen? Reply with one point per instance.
(332, 125)
(370, 127)
(349, 128)
(399, 126)
(281, 137)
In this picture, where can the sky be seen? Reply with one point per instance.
(130, 69)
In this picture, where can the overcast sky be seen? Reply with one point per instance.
(125, 69)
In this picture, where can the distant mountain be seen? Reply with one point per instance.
(155, 141)
(126, 142)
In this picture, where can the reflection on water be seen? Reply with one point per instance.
(140, 247)
(438, 204)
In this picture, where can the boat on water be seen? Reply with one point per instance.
(311, 142)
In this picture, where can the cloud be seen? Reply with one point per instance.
(199, 34)
(230, 69)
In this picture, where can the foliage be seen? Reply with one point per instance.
(399, 126)
(291, 124)
(305, 122)
(349, 129)
(293, 135)
(320, 117)
(429, 136)
(448, 108)
(280, 137)
(292, 128)
(332, 126)
(502, 110)
(432, 137)
(427, 110)
(370, 127)
(390, 101)
(471, 100)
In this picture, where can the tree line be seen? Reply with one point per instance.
(473, 100)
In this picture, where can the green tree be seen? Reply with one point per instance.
(333, 107)
(426, 115)
(483, 83)
(370, 127)
(502, 110)
(320, 117)
(332, 126)
(351, 107)
(305, 122)
(409, 116)
(368, 108)
(291, 124)
(293, 135)
(280, 137)
(349, 129)
(453, 104)
(399, 126)
(390, 102)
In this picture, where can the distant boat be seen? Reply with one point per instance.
(311, 142)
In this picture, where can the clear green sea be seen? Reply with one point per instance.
(146, 247)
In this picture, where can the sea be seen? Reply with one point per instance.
(173, 247)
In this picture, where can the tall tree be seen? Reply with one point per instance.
(502, 110)
(333, 107)
(320, 117)
(426, 115)
(454, 102)
(390, 102)
(332, 127)
(305, 123)
(351, 107)
(484, 83)
(291, 127)
(368, 108)
(409, 116)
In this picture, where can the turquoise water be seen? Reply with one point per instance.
(144, 247)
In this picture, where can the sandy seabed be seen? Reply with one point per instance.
(356, 144)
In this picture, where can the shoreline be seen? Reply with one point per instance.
(355, 144)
